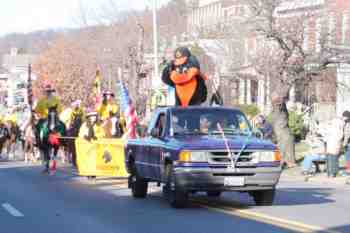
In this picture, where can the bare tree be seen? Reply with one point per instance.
(283, 58)
(280, 57)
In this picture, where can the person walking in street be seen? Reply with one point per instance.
(49, 103)
(107, 106)
(50, 130)
(91, 129)
(73, 118)
(14, 135)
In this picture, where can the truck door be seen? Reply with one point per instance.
(156, 146)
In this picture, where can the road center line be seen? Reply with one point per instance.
(12, 210)
(264, 218)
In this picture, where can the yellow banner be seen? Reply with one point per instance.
(103, 157)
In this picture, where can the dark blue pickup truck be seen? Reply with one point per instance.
(202, 149)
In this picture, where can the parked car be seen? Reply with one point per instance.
(202, 149)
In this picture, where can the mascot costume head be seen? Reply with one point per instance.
(183, 73)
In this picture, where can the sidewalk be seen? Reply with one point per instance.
(294, 174)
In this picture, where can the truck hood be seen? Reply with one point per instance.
(216, 142)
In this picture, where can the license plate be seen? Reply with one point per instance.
(234, 181)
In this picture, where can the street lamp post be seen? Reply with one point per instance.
(155, 39)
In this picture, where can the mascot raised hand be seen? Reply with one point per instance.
(183, 73)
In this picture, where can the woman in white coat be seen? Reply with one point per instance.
(334, 144)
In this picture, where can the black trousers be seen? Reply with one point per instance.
(49, 152)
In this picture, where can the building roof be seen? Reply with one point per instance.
(291, 5)
(202, 3)
(17, 61)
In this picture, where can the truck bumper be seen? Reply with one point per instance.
(209, 180)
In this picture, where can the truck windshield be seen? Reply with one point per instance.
(208, 121)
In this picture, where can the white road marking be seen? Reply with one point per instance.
(12, 210)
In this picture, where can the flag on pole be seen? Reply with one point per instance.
(97, 83)
(97, 88)
(129, 112)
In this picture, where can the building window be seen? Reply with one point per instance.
(21, 86)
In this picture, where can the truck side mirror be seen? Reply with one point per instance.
(155, 133)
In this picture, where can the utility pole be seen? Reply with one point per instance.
(30, 89)
(155, 39)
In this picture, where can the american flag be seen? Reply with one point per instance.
(129, 112)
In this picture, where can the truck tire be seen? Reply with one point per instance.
(213, 193)
(176, 196)
(264, 197)
(137, 184)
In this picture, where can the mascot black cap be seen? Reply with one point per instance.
(181, 55)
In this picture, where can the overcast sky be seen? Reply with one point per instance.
(31, 15)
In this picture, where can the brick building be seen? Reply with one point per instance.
(327, 21)
(327, 25)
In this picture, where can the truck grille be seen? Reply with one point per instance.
(223, 158)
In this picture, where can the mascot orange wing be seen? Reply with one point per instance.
(185, 85)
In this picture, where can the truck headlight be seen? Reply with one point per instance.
(266, 156)
(193, 156)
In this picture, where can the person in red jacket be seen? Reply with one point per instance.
(183, 73)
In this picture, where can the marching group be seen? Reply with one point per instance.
(51, 126)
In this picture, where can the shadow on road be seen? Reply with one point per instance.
(342, 229)
(303, 196)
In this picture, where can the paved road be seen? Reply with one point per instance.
(68, 204)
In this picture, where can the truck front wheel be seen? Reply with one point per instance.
(263, 197)
(137, 184)
(177, 197)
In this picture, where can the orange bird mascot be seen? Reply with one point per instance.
(184, 75)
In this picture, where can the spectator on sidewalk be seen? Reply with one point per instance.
(265, 127)
(317, 153)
